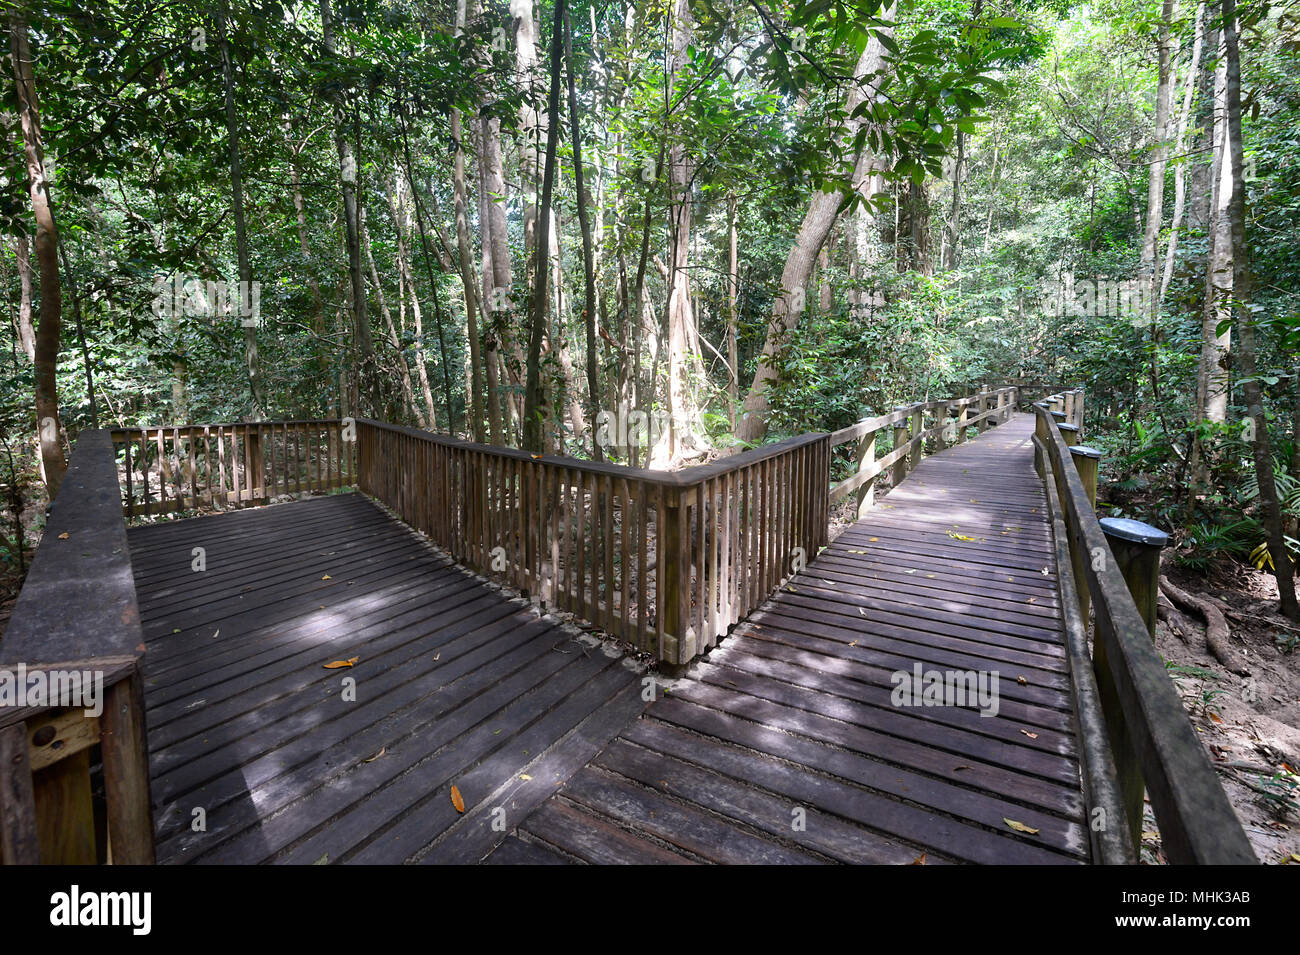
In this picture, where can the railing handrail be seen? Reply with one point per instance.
(78, 601)
(77, 611)
(684, 477)
(1197, 823)
(119, 430)
(907, 453)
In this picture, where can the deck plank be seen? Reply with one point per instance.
(792, 713)
(454, 682)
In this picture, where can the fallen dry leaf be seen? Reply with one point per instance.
(326, 577)
(919, 860)
(63, 536)
(1029, 734)
(1020, 826)
(376, 756)
(337, 664)
(456, 799)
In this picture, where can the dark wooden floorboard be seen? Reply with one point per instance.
(785, 743)
(455, 684)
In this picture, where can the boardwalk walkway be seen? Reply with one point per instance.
(783, 745)
(453, 684)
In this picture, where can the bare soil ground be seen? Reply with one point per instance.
(1250, 724)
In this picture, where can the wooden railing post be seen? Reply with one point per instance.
(866, 458)
(1070, 433)
(125, 751)
(980, 408)
(1136, 549)
(254, 466)
(918, 427)
(962, 414)
(1085, 461)
(673, 579)
(900, 439)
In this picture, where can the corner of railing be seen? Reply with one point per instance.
(72, 655)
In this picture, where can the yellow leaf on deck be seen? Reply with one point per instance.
(919, 860)
(327, 577)
(63, 536)
(1020, 826)
(1022, 681)
(456, 799)
(525, 776)
(338, 664)
(1029, 734)
(376, 756)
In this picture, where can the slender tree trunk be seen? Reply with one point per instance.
(252, 362)
(1212, 379)
(1180, 146)
(1245, 322)
(26, 331)
(589, 271)
(45, 353)
(394, 339)
(397, 211)
(465, 248)
(537, 329)
(1156, 186)
(733, 291)
(368, 379)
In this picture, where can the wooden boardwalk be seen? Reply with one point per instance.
(454, 684)
(784, 745)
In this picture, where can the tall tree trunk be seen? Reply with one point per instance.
(951, 255)
(1212, 377)
(368, 379)
(394, 339)
(537, 325)
(1180, 146)
(26, 331)
(45, 353)
(428, 268)
(252, 363)
(397, 212)
(495, 241)
(733, 291)
(465, 248)
(1245, 322)
(823, 210)
(588, 266)
(1156, 186)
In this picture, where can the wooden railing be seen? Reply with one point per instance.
(1134, 729)
(76, 626)
(917, 428)
(665, 560)
(200, 467)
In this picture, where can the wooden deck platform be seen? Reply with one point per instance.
(251, 735)
(783, 745)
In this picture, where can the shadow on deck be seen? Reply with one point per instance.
(782, 745)
(289, 761)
